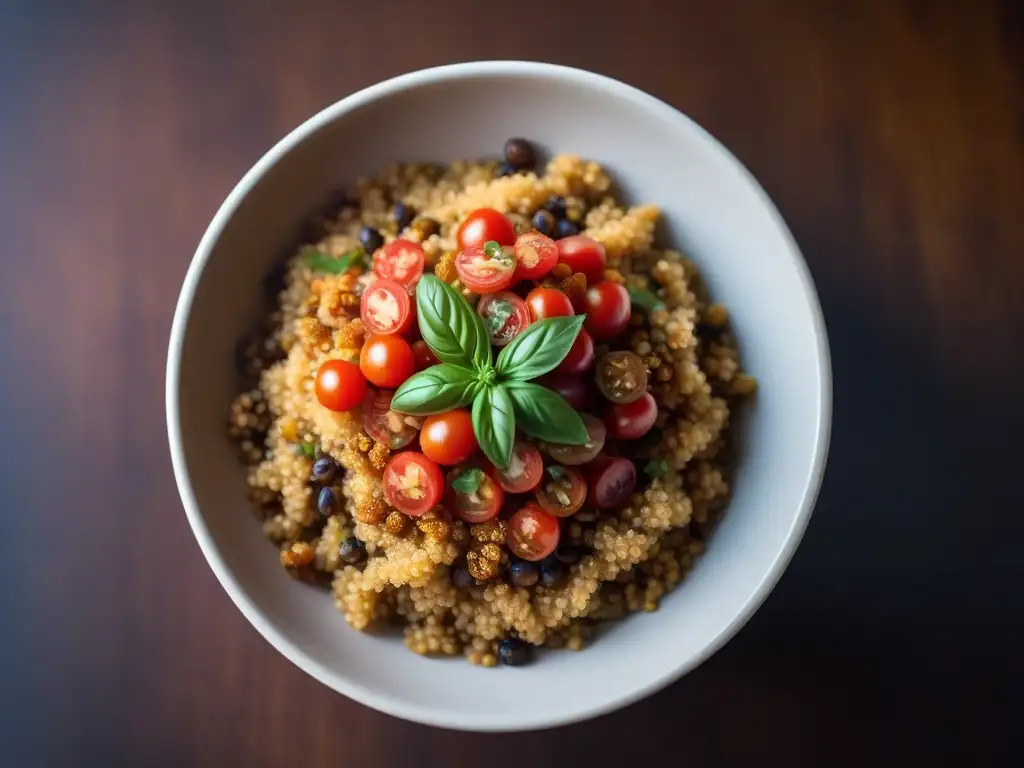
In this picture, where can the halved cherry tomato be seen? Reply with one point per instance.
(611, 480)
(630, 421)
(486, 269)
(562, 490)
(448, 437)
(580, 454)
(401, 261)
(478, 505)
(393, 429)
(413, 483)
(571, 388)
(485, 224)
(423, 355)
(386, 308)
(340, 385)
(608, 309)
(583, 254)
(532, 533)
(505, 316)
(622, 376)
(387, 361)
(536, 255)
(548, 302)
(580, 356)
(524, 469)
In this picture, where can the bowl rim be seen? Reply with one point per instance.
(338, 681)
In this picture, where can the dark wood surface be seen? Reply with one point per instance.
(889, 132)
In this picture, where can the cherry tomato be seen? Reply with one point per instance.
(485, 269)
(580, 356)
(532, 534)
(536, 255)
(393, 429)
(611, 480)
(401, 261)
(387, 361)
(621, 376)
(571, 388)
(630, 421)
(485, 224)
(548, 302)
(505, 316)
(607, 307)
(580, 454)
(448, 437)
(413, 483)
(524, 469)
(423, 355)
(562, 490)
(386, 308)
(583, 254)
(340, 385)
(478, 505)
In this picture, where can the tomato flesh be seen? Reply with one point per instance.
(580, 356)
(413, 484)
(548, 302)
(562, 491)
(583, 254)
(448, 437)
(385, 308)
(477, 506)
(611, 481)
(393, 429)
(532, 533)
(485, 224)
(340, 385)
(401, 261)
(629, 421)
(387, 361)
(536, 255)
(524, 470)
(485, 269)
(608, 310)
(505, 316)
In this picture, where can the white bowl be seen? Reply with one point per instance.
(714, 210)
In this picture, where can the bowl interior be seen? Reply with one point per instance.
(713, 211)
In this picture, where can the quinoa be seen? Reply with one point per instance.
(448, 584)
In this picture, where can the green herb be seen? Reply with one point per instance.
(308, 449)
(656, 468)
(319, 261)
(494, 250)
(501, 311)
(495, 425)
(452, 330)
(545, 414)
(641, 297)
(539, 348)
(469, 481)
(555, 472)
(435, 390)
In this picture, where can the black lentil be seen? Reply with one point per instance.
(352, 551)
(570, 555)
(324, 469)
(506, 170)
(556, 205)
(326, 502)
(553, 574)
(565, 228)
(519, 154)
(370, 238)
(544, 222)
(523, 573)
(403, 215)
(513, 652)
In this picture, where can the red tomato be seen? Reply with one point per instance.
(580, 357)
(505, 315)
(548, 302)
(607, 307)
(477, 506)
(583, 254)
(485, 269)
(423, 355)
(386, 308)
(448, 437)
(575, 455)
(562, 490)
(401, 261)
(569, 387)
(340, 385)
(524, 469)
(536, 255)
(611, 480)
(413, 484)
(532, 534)
(387, 361)
(485, 224)
(630, 421)
(393, 429)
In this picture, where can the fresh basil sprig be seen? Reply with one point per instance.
(544, 414)
(435, 390)
(452, 330)
(539, 348)
(319, 261)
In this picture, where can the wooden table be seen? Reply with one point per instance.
(889, 132)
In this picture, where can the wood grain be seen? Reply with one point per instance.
(889, 132)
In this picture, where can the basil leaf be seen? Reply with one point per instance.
(656, 468)
(435, 390)
(469, 481)
(494, 425)
(452, 330)
(539, 348)
(545, 414)
(324, 262)
(555, 472)
(641, 297)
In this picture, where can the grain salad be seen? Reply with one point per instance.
(487, 408)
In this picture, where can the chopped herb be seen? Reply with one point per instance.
(656, 468)
(308, 449)
(319, 261)
(501, 311)
(494, 250)
(648, 300)
(556, 472)
(469, 481)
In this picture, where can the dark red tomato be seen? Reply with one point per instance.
(533, 534)
(401, 261)
(386, 308)
(393, 429)
(607, 307)
(583, 254)
(481, 503)
(485, 269)
(413, 484)
(629, 421)
(569, 387)
(611, 480)
(580, 357)
(562, 490)
(524, 469)
(340, 385)
(548, 302)
(505, 315)
(423, 356)
(536, 255)
(575, 455)
(621, 376)
(387, 361)
(448, 437)
(485, 224)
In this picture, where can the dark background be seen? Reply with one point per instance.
(889, 132)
